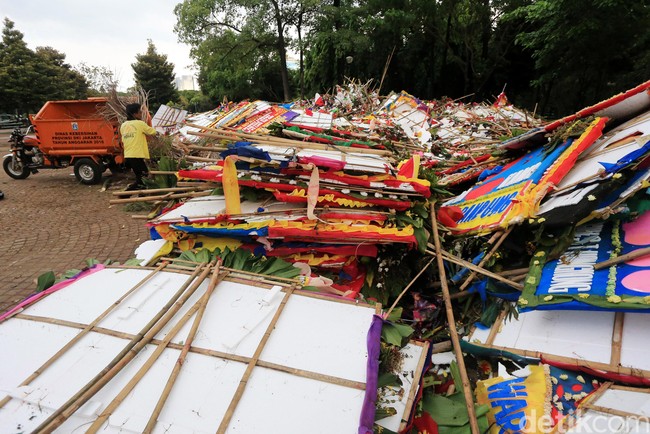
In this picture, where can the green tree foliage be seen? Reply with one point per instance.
(30, 78)
(585, 50)
(246, 40)
(195, 101)
(56, 79)
(155, 75)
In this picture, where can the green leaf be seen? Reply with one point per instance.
(395, 334)
(388, 379)
(45, 280)
(396, 314)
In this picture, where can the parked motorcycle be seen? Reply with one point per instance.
(25, 157)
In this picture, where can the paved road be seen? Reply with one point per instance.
(50, 222)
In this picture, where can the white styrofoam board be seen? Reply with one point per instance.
(584, 335)
(206, 383)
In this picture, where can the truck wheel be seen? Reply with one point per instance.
(16, 169)
(87, 171)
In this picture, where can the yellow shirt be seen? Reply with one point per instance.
(133, 136)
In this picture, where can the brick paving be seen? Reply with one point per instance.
(50, 222)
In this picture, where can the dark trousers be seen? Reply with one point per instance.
(139, 168)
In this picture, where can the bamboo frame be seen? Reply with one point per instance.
(87, 329)
(141, 340)
(146, 334)
(207, 352)
(198, 308)
(223, 426)
(467, 390)
(577, 362)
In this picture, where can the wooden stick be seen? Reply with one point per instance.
(636, 372)
(399, 297)
(494, 330)
(514, 272)
(417, 375)
(87, 329)
(198, 308)
(155, 190)
(160, 197)
(250, 273)
(502, 237)
(623, 258)
(223, 426)
(127, 354)
(162, 172)
(456, 260)
(458, 352)
(617, 339)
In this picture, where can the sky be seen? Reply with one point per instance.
(108, 33)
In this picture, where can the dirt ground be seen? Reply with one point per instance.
(51, 222)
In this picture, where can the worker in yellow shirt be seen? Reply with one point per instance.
(136, 149)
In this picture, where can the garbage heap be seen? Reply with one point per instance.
(421, 205)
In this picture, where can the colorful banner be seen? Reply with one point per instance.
(514, 194)
(572, 283)
(519, 404)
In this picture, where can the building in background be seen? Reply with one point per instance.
(186, 82)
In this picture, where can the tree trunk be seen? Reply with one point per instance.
(282, 52)
(301, 54)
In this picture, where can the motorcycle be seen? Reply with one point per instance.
(25, 157)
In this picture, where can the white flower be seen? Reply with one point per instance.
(345, 191)
(275, 180)
(293, 182)
(364, 194)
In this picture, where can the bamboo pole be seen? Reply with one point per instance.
(456, 260)
(87, 329)
(223, 426)
(198, 308)
(617, 339)
(417, 375)
(154, 190)
(623, 258)
(600, 366)
(146, 334)
(399, 297)
(501, 238)
(467, 390)
(160, 197)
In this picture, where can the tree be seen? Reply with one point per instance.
(30, 78)
(18, 71)
(239, 33)
(155, 75)
(585, 50)
(100, 79)
(56, 79)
